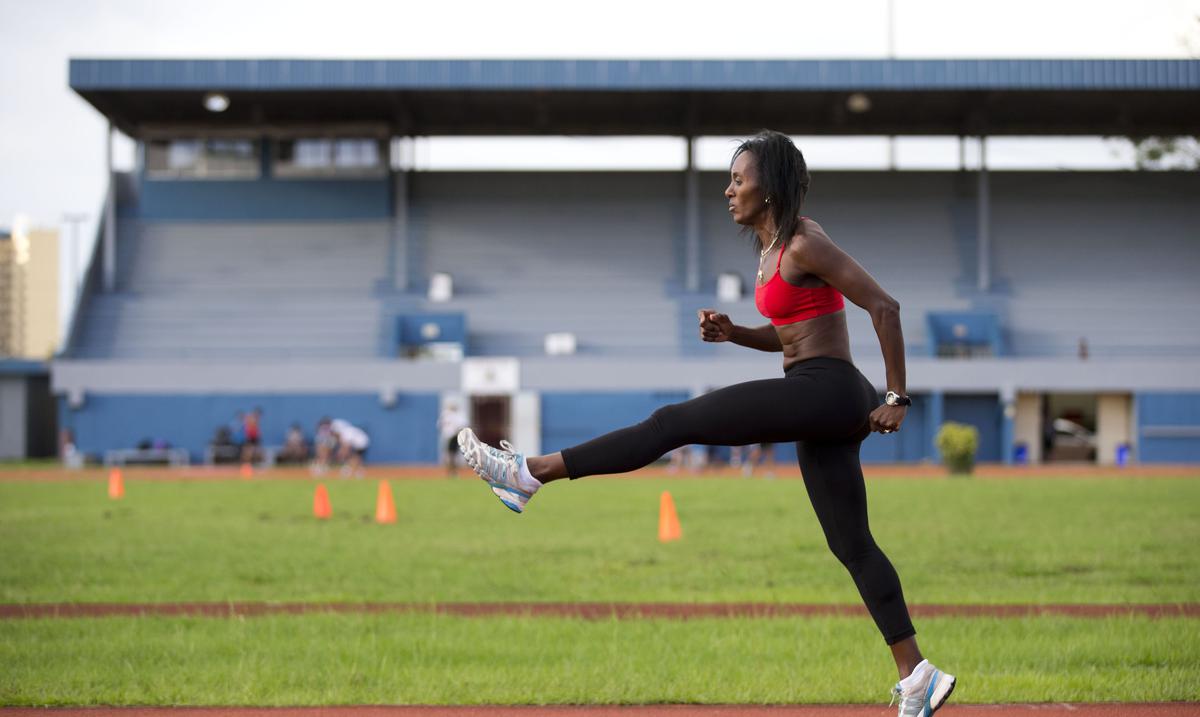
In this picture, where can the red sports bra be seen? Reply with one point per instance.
(783, 303)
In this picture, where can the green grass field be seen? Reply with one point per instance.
(953, 541)
(429, 659)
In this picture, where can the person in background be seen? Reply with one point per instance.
(252, 433)
(352, 443)
(449, 424)
(324, 443)
(679, 459)
(237, 432)
(295, 446)
(760, 454)
(68, 451)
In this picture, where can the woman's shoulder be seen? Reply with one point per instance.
(807, 224)
(808, 233)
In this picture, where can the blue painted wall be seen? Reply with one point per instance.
(910, 444)
(404, 433)
(263, 200)
(985, 413)
(570, 418)
(1168, 409)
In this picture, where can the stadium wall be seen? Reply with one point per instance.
(1168, 427)
(1168, 423)
(265, 198)
(262, 200)
(404, 432)
(570, 418)
(619, 392)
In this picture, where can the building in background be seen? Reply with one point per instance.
(29, 283)
(28, 338)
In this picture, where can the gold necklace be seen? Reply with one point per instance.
(763, 254)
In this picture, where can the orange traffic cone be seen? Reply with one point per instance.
(385, 507)
(247, 471)
(321, 507)
(668, 521)
(116, 484)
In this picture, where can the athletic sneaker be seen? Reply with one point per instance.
(922, 692)
(503, 469)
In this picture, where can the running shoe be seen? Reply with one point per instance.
(926, 694)
(500, 467)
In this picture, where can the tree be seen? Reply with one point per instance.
(1166, 152)
(1170, 152)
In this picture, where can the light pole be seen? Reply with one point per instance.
(891, 53)
(74, 219)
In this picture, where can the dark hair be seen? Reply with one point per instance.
(783, 176)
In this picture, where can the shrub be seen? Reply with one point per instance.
(958, 444)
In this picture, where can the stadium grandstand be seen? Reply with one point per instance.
(270, 248)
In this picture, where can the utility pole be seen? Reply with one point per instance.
(73, 274)
(891, 55)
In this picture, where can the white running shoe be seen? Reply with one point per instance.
(500, 467)
(926, 694)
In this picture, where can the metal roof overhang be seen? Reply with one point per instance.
(669, 97)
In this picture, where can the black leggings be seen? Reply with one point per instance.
(823, 405)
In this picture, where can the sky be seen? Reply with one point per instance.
(52, 142)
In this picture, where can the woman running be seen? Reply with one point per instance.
(823, 403)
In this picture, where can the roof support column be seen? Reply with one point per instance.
(691, 216)
(110, 216)
(983, 231)
(1008, 425)
(934, 417)
(398, 235)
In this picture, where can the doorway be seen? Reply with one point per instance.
(491, 417)
(1069, 428)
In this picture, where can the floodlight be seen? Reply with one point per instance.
(858, 103)
(216, 102)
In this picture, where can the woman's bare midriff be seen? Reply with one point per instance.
(823, 336)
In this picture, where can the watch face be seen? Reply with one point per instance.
(892, 398)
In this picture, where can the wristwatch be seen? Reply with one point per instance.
(894, 399)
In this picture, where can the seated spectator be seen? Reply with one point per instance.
(223, 449)
(295, 446)
(324, 442)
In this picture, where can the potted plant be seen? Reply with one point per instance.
(958, 443)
